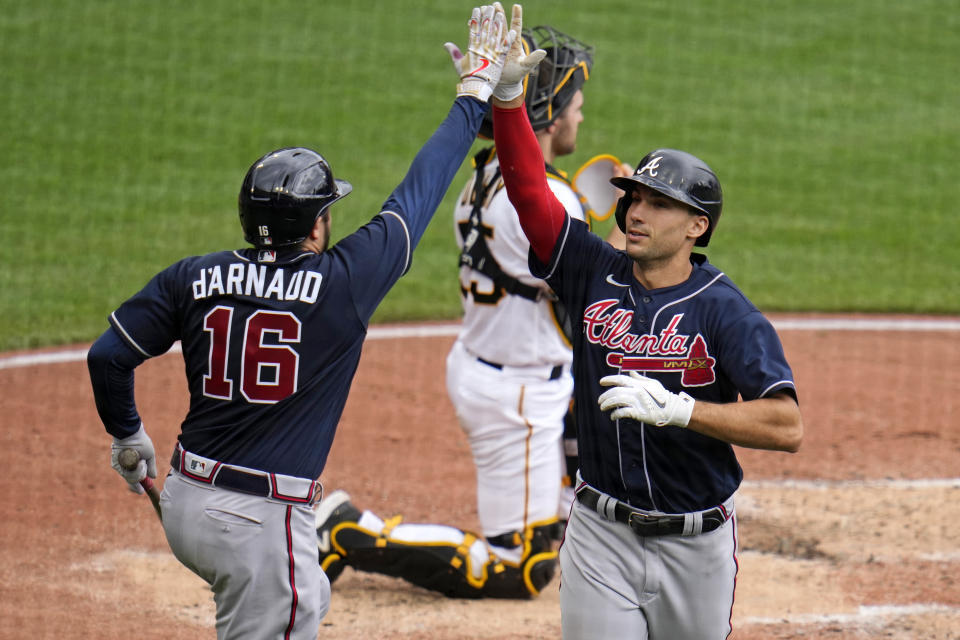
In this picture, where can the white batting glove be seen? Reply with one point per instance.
(645, 400)
(518, 64)
(147, 466)
(480, 68)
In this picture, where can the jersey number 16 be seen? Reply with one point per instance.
(268, 372)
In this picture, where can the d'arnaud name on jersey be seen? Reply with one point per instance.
(248, 279)
(669, 351)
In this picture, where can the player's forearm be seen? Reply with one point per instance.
(417, 197)
(111, 363)
(521, 164)
(767, 423)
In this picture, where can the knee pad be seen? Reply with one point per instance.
(523, 581)
(534, 571)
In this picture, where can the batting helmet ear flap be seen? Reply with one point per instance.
(621, 213)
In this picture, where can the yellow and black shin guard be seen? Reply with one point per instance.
(446, 567)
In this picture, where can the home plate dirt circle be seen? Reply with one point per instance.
(855, 536)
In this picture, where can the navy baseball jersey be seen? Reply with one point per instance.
(271, 340)
(702, 336)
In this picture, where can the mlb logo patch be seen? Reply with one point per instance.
(198, 467)
(267, 256)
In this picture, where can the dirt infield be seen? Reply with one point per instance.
(856, 536)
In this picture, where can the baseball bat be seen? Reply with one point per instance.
(129, 459)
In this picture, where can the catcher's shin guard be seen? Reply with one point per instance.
(439, 566)
(447, 567)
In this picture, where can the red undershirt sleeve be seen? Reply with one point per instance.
(522, 166)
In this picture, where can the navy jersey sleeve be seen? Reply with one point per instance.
(149, 321)
(144, 326)
(416, 198)
(381, 251)
(751, 355)
(111, 362)
(374, 257)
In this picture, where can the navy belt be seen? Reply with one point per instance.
(555, 373)
(646, 524)
(230, 478)
(257, 484)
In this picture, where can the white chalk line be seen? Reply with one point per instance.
(373, 333)
(879, 483)
(864, 615)
(866, 324)
(386, 332)
(35, 359)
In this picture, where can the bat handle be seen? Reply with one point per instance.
(153, 493)
(129, 459)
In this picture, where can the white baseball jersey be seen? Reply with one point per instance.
(509, 329)
(508, 374)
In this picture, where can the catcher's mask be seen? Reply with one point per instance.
(283, 194)
(677, 175)
(550, 87)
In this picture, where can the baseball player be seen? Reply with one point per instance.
(271, 337)
(508, 376)
(664, 344)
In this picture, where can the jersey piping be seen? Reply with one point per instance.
(406, 232)
(787, 384)
(683, 299)
(126, 336)
(562, 242)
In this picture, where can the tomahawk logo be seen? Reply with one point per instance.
(666, 352)
(651, 167)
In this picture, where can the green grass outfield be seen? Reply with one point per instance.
(127, 127)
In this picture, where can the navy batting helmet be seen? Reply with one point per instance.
(680, 176)
(550, 87)
(284, 193)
